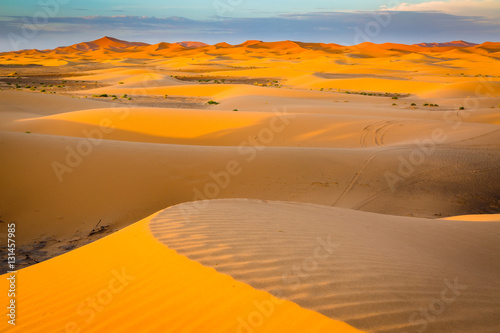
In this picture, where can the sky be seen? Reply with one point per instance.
(44, 24)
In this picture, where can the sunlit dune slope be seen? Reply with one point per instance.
(221, 128)
(130, 282)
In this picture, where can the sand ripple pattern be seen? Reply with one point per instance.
(378, 273)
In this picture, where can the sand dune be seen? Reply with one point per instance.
(381, 159)
(111, 285)
(376, 272)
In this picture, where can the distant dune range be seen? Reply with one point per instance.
(238, 161)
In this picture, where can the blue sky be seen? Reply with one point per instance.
(45, 24)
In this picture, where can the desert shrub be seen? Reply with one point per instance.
(103, 95)
(165, 96)
(394, 104)
(426, 104)
(394, 97)
(212, 102)
(43, 90)
(461, 108)
(118, 82)
(413, 104)
(235, 109)
(115, 98)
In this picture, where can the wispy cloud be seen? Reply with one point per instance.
(485, 8)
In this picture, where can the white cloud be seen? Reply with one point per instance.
(486, 8)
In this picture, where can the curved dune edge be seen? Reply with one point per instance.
(474, 217)
(379, 273)
(131, 281)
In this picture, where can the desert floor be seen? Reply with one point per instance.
(259, 187)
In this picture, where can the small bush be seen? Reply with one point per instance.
(413, 104)
(235, 109)
(118, 82)
(461, 108)
(124, 96)
(115, 98)
(426, 104)
(43, 90)
(103, 95)
(212, 102)
(130, 98)
(165, 96)
(394, 97)
(394, 104)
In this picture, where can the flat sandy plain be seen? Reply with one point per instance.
(260, 187)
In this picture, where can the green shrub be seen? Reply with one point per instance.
(393, 104)
(118, 82)
(426, 104)
(212, 102)
(103, 95)
(235, 109)
(413, 104)
(462, 108)
(394, 97)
